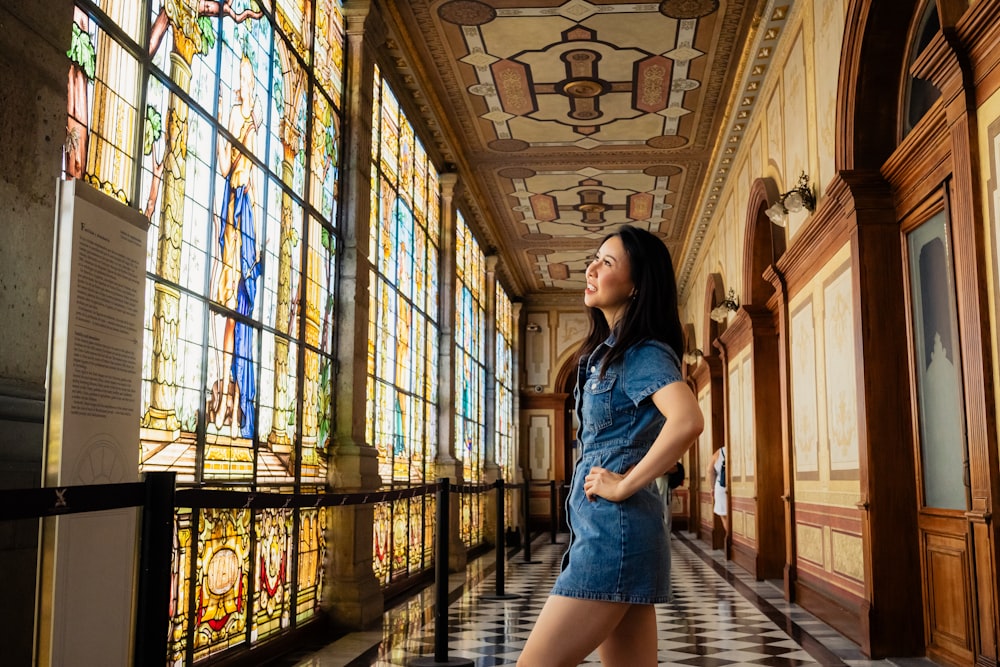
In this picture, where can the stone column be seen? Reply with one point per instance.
(352, 596)
(446, 465)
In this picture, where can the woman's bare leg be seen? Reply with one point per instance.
(568, 630)
(633, 641)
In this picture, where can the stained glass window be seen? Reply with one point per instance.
(402, 332)
(506, 454)
(221, 122)
(470, 373)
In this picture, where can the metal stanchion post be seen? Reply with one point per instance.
(501, 549)
(441, 587)
(155, 550)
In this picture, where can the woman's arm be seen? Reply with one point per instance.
(711, 474)
(683, 425)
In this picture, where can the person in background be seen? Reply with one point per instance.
(637, 418)
(665, 486)
(716, 476)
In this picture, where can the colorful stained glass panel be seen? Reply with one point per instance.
(273, 553)
(311, 558)
(222, 581)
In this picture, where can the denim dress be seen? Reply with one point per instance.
(618, 552)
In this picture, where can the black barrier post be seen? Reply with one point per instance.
(527, 526)
(441, 586)
(155, 550)
(501, 549)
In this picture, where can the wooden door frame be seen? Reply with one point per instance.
(943, 148)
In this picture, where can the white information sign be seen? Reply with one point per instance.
(92, 426)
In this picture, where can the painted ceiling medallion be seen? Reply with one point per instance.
(583, 88)
(688, 9)
(467, 12)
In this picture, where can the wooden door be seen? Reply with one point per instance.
(941, 450)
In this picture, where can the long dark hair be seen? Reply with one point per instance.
(652, 313)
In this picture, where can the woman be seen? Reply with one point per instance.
(637, 418)
(717, 482)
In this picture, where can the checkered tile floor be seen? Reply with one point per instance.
(719, 617)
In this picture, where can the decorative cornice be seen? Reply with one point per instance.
(742, 106)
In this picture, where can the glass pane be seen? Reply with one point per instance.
(920, 94)
(294, 17)
(103, 93)
(330, 47)
(289, 111)
(380, 542)
(180, 585)
(274, 529)
(325, 157)
(938, 365)
(312, 554)
(222, 581)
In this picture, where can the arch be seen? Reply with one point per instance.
(566, 377)
(871, 61)
(762, 245)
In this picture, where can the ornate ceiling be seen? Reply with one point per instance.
(567, 118)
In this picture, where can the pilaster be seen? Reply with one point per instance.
(352, 595)
(491, 469)
(446, 465)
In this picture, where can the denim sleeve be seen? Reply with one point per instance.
(649, 366)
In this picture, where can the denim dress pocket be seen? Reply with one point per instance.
(597, 402)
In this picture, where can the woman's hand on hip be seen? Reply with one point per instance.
(604, 483)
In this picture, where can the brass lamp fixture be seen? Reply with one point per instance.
(798, 198)
(728, 305)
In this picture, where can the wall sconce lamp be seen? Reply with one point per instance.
(798, 198)
(691, 358)
(728, 305)
(533, 327)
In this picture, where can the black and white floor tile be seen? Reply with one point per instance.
(720, 618)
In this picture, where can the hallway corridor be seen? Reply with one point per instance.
(719, 617)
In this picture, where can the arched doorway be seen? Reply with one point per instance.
(757, 452)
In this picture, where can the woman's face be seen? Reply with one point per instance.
(609, 280)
